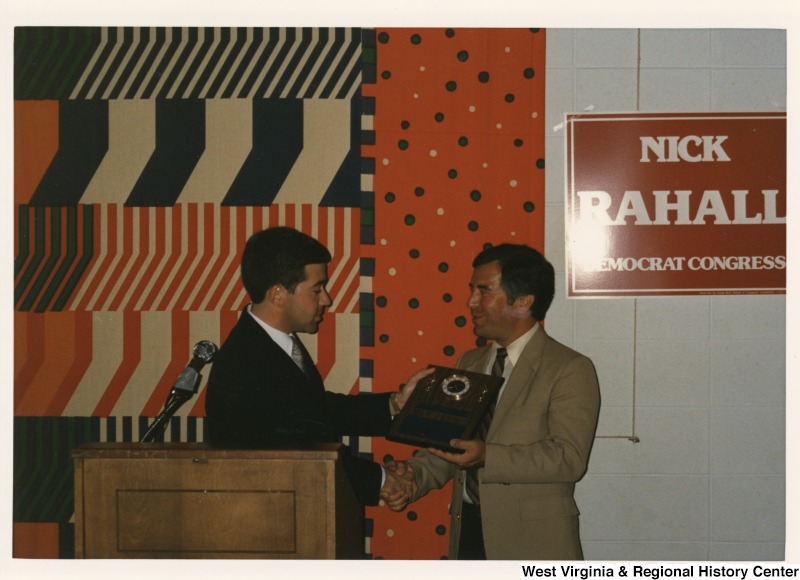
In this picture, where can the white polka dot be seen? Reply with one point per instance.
(535, 115)
(383, 242)
(440, 211)
(485, 165)
(452, 243)
(422, 68)
(513, 183)
(390, 533)
(499, 126)
(413, 359)
(419, 332)
(472, 108)
(392, 271)
(385, 161)
(433, 153)
(508, 49)
(416, 96)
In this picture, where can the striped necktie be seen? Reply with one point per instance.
(483, 428)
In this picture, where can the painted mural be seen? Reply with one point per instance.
(145, 157)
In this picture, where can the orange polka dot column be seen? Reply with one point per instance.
(457, 149)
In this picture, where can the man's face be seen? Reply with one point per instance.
(493, 317)
(305, 306)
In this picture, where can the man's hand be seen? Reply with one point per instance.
(474, 453)
(399, 488)
(408, 388)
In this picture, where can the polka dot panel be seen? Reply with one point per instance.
(459, 164)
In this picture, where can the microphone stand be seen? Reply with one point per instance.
(184, 389)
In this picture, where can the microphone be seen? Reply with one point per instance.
(189, 379)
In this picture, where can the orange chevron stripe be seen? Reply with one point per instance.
(28, 355)
(171, 259)
(81, 361)
(55, 357)
(183, 255)
(160, 234)
(180, 339)
(230, 302)
(131, 356)
(35, 145)
(122, 297)
(121, 259)
(205, 239)
(223, 253)
(101, 259)
(47, 233)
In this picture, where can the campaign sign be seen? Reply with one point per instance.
(662, 204)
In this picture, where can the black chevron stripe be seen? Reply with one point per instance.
(272, 42)
(82, 144)
(250, 52)
(342, 68)
(277, 142)
(180, 140)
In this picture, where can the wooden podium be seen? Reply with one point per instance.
(190, 500)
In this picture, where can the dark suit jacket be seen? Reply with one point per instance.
(258, 397)
(537, 447)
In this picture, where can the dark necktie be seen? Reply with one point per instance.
(483, 428)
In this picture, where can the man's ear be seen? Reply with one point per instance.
(276, 295)
(524, 303)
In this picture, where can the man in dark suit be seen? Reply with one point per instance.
(513, 486)
(264, 390)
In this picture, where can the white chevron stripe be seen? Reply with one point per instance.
(163, 261)
(249, 70)
(130, 260)
(220, 62)
(222, 272)
(198, 255)
(202, 68)
(131, 142)
(182, 253)
(229, 139)
(340, 83)
(286, 60)
(242, 52)
(106, 357)
(130, 52)
(156, 63)
(156, 354)
(335, 63)
(95, 57)
(326, 142)
(198, 45)
(299, 66)
(151, 42)
(151, 244)
(175, 56)
(344, 372)
(322, 56)
(116, 253)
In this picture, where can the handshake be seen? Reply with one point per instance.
(399, 488)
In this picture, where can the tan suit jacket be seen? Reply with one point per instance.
(537, 447)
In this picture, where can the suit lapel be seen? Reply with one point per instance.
(521, 376)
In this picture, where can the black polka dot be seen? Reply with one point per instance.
(439, 117)
(383, 37)
(449, 350)
(386, 75)
(419, 191)
(540, 163)
(451, 86)
(389, 197)
(518, 142)
(388, 457)
(384, 338)
(463, 141)
(452, 173)
(475, 195)
(409, 219)
(416, 39)
(472, 226)
(447, 298)
(528, 73)
(413, 303)
(443, 267)
(405, 125)
(483, 76)
(528, 206)
(381, 301)
(440, 529)
(414, 253)
(462, 55)
(402, 144)
(449, 33)
(412, 516)
(480, 341)
(509, 98)
(461, 321)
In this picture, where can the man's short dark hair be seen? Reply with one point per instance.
(524, 271)
(278, 256)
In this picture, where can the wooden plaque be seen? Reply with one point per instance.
(447, 404)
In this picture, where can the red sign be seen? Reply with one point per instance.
(676, 204)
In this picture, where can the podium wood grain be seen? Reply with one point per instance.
(184, 500)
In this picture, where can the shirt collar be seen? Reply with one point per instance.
(515, 348)
(282, 339)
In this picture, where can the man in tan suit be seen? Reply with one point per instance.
(513, 486)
